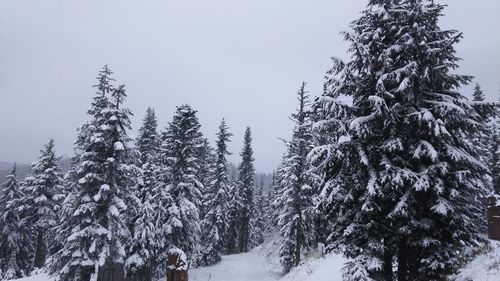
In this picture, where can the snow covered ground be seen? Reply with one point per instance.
(484, 268)
(262, 264)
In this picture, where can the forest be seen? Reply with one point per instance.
(390, 167)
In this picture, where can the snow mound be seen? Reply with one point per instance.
(37, 277)
(485, 267)
(324, 268)
(262, 263)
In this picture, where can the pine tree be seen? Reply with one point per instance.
(94, 230)
(296, 193)
(214, 224)
(478, 93)
(41, 203)
(494, 149)
(482, 140)
(258, 223)
(234, 206)
(148, 141)
(245, 191)
(16, 248)
(180, 149)
(402, 180)
(147, 244)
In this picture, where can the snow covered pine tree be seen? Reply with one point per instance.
(147, 244)
(296, 221)
(181, 147)
(41, 203)
(94, 231)
(245, 192)
(258, 223)
(403, 184)
(214, 223)
(16, 247)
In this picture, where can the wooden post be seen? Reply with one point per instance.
(493, 218)
(177, 267)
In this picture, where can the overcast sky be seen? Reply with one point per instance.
(241, 60)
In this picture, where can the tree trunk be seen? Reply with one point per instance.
(297, 247)
(40, 252)
(388, 272)
(244, 235)
(413, 264)
(403, 262)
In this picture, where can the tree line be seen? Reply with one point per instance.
(394, 179)
(127, 201)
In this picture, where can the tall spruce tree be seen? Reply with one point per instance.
(246, 174)
(478, 93)
(234, 206)
(214, 224)
(147, 244)
(482, 139)
(494, 149)
(296, 193)
(16, 247)
(180, 150)
(43, 195)
(402, 180)
(94, 230)
(148, 141)
(258, 224)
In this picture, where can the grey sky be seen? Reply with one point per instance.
(242, 60)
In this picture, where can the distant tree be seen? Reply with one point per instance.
(95, 231)
(295, 210)
(16, 247)
(495, 157)
(478, 93)
(43, 195)
(148, 141)
(245, 191)
(258, 223)
(180, 150)
(234, 206)
(214, 224)
(494, 150)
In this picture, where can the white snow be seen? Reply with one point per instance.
(37, 277)
(485, 267)
(262, 264)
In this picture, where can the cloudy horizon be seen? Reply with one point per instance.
(238, 60)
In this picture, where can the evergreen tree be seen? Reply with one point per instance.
(296, 209)
(494, 151)
(94, 230)
(207, 160)
(234, 206)
(16, 248)
(41, 203)
(180, 150)
(148, 141)
(478, 93)
(214, 224)
(482, 139)
(402, 180)
(146, 245)
(246, 174)
(258, 223)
